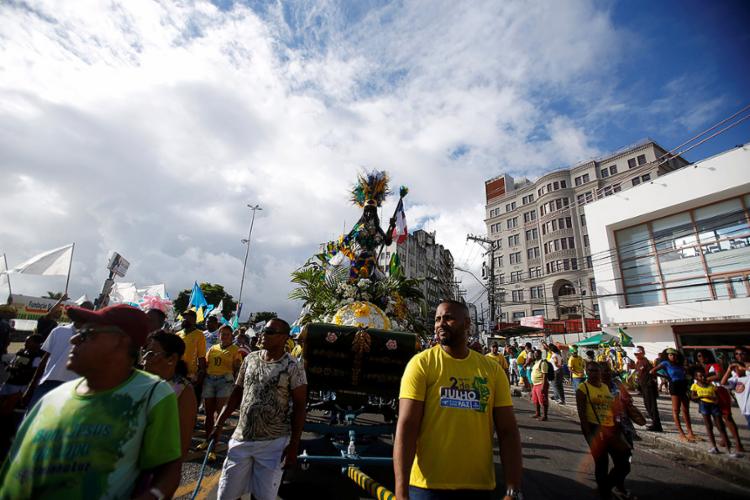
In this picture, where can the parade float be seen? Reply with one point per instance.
(360, 325)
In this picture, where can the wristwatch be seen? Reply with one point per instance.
(514, 494)
(157, 493)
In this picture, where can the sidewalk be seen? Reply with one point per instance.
(669, 438)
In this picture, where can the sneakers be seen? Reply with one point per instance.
(714, 451)
(202, 446)
(735, 454)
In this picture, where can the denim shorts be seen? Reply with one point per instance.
(709, 409)
(218, 386)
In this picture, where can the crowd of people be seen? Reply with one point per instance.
(604, 380)
(110, 405)
(107, 406)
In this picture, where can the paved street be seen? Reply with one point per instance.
(556, 464)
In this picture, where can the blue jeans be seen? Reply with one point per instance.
(425, 494)
(747, 417)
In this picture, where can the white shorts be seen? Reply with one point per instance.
(252, 467)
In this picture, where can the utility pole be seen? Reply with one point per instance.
(254, 208)
(583, 310)
(490, 247)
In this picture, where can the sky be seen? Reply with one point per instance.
(147, 127)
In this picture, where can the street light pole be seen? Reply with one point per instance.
(254, 208)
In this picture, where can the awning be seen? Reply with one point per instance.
(600, 339)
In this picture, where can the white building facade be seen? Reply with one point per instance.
(671, 257)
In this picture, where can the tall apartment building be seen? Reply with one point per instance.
(421, 257)
(543, 262)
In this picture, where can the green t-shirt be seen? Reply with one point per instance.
(93, 446)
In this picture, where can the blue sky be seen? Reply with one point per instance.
(147, 127)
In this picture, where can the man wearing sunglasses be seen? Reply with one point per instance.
(93, 437)
(268, 432)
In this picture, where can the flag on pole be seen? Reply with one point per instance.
(625, 339)
(217, 310)
(197, 299)
(400, 232)
(4, 280)
(51, 263)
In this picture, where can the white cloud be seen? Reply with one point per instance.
(147, 127)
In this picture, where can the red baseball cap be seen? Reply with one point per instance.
(129, 319)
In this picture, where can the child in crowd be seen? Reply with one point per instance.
(705, 394)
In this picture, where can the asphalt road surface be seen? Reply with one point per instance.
(556, 465)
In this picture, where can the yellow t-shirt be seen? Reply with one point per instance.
(195, 347)
(539, 371)
(705, 394)
(220, 361)
(500, 359)
(601, 399)
(577, 366)
(521, 359)
(459, 396)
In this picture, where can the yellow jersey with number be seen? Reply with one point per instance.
(221, 361)
(459, 396)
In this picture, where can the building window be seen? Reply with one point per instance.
(604, 172)
(613, 170)
(527, 199)
(512, 223)
(500, 261)
(537, 312)
(636, 181)
(563, 184)
(532, 253)
(581, 179)
(583, 219)
(517, 296)
(537, 292)
(513, 240)
(515, 276)
(607, 191)
(518, 315)
(510, 207)
(641, 159)
(631, 163)
(673, 260)
(589, 264)
(585, 240)
(646, 177)
(592, 285)
(529, 216)
(616, 188)
(515, 258)
(535, 272)
(532, 234)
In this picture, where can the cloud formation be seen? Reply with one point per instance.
(147, 127)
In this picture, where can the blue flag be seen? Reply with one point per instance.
(197, 299)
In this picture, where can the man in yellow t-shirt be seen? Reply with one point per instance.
(449, 400)
(195, 351)
(498, 356)
(577, 365)
(540, 377)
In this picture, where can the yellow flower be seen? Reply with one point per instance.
(361, 309)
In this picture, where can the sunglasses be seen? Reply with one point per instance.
(87, 332)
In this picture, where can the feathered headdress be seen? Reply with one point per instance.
(371, 187)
